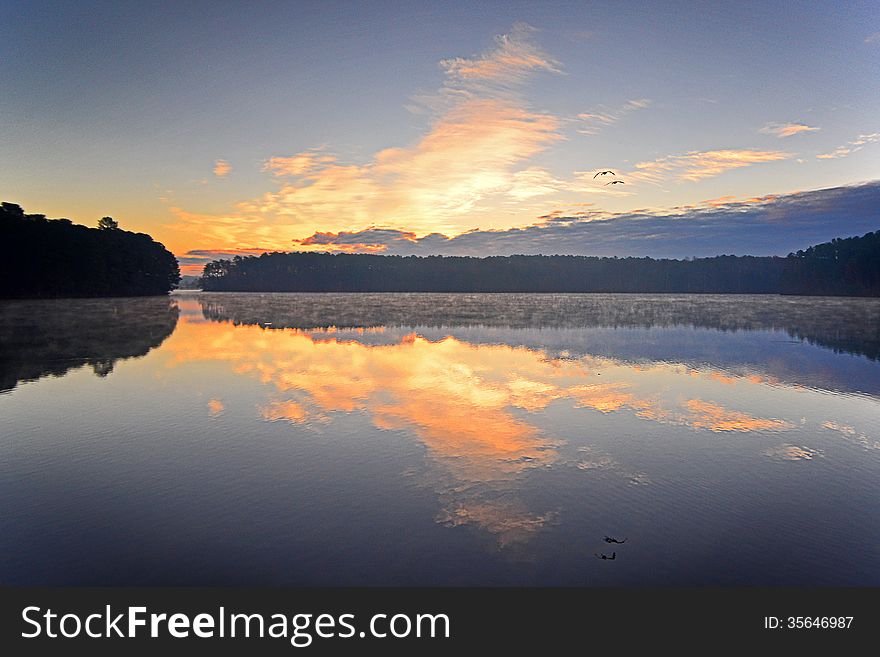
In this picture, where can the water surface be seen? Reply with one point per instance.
(440, 439)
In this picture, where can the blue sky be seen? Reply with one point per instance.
(251, 126)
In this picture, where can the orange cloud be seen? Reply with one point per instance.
(360, 242)
(513, 58)
(469, 155)
(697, 165)
(297, 165)
(222, 168)
(838, 152)
(782, 130)
(719, 202)
(340, 238)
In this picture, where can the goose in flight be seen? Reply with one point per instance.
(605, 556)
(609, 539)
(603, 173)
(615, 182)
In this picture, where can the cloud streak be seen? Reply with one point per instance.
(850, 147)
(297, 165)
(697, 165)
(782, 130)
(594, 121)
(514, 59)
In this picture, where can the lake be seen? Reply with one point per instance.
(440, 439)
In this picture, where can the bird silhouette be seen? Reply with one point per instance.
(605, 556)
(603, 173)
(609, 539)
(615, 182)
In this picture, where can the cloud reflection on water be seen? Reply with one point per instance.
(478, 409)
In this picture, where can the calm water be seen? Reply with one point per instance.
(405, 439)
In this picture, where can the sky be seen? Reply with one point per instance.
(454, 127)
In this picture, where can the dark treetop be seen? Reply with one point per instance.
(57, 258)
(844, 266)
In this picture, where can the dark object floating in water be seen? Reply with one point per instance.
(609, 539)
(605, 556)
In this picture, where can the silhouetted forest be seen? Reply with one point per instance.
(842, 267)
(57, 258)
(318, 272)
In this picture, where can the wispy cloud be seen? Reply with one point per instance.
(873, 38)
(222, 168)
(513, 59)
(297, 165)
(697, 165)
(782, 130)
(592, 122)
(850, 147)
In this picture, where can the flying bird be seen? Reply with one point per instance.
(602, 173)
(609, 539)
(605, 556)
(615, 182)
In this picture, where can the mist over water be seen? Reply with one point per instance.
(440, 439)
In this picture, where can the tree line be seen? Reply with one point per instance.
(319, 272)
(847, 266)
(57, 258)
(842, 267)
